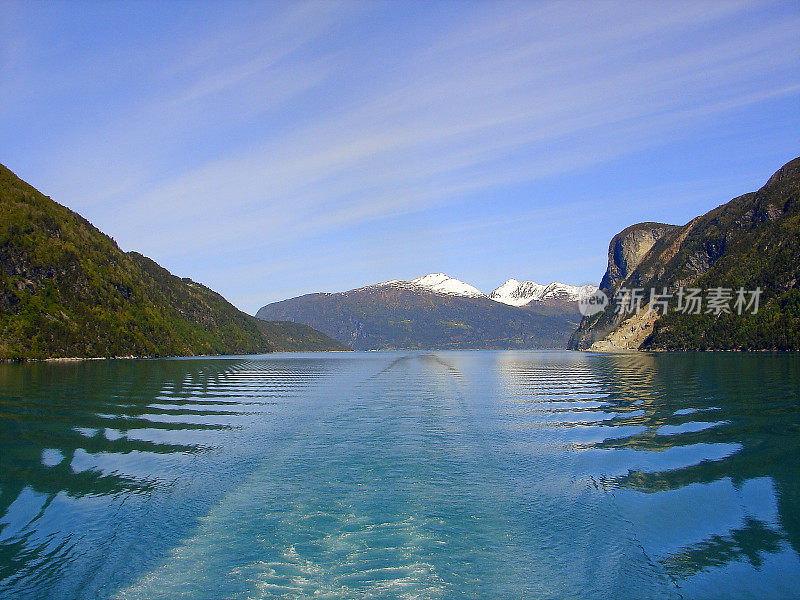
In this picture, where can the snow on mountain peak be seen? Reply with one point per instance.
(517, 293)
(443, 284)
(506, 289)
(512, 292)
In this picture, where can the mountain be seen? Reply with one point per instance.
(431, 312)
(751, 242)
(286, 336)
(522, 293)
(512, 292)
(625, 251)
(67, 290)
(439, 282)
(434, 282)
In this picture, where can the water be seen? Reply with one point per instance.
(475, 475)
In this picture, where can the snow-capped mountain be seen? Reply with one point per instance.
(516, 293)
(437, 311)
(522, 293)
(437, 282)
(434, 311)
(512, 292)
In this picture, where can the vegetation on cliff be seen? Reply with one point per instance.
(754, 242)
(67, 290)
(751, 242)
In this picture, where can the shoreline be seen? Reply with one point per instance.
(66, 359)
(71, 359)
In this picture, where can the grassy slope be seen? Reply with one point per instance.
(66, 289)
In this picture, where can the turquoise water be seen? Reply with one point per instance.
(475, 475)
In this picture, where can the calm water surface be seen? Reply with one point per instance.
(475, 475)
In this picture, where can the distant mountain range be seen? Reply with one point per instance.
(523, 293)
(438, 311)
(749, 243)
(67, 290)
(512, 292)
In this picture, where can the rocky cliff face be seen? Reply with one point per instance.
(628, 248)
(752, 241)
(625, 252)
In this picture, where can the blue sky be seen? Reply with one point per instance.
(274, 149)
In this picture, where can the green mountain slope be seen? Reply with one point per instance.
(395, 317)
(752, 241)
(296, 337)
(67, 290)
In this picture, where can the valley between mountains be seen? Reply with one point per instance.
(68, 290)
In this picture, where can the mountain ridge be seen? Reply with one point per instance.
(752, 241)
(400, 314)
(68, 290)
(512, 292)
(522, 293)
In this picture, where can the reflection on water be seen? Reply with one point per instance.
(661, 423)
(402, 475)
(75, 433)
(750, 406)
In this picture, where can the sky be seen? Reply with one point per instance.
(269, 150)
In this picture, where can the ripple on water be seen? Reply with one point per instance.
(502, 475)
